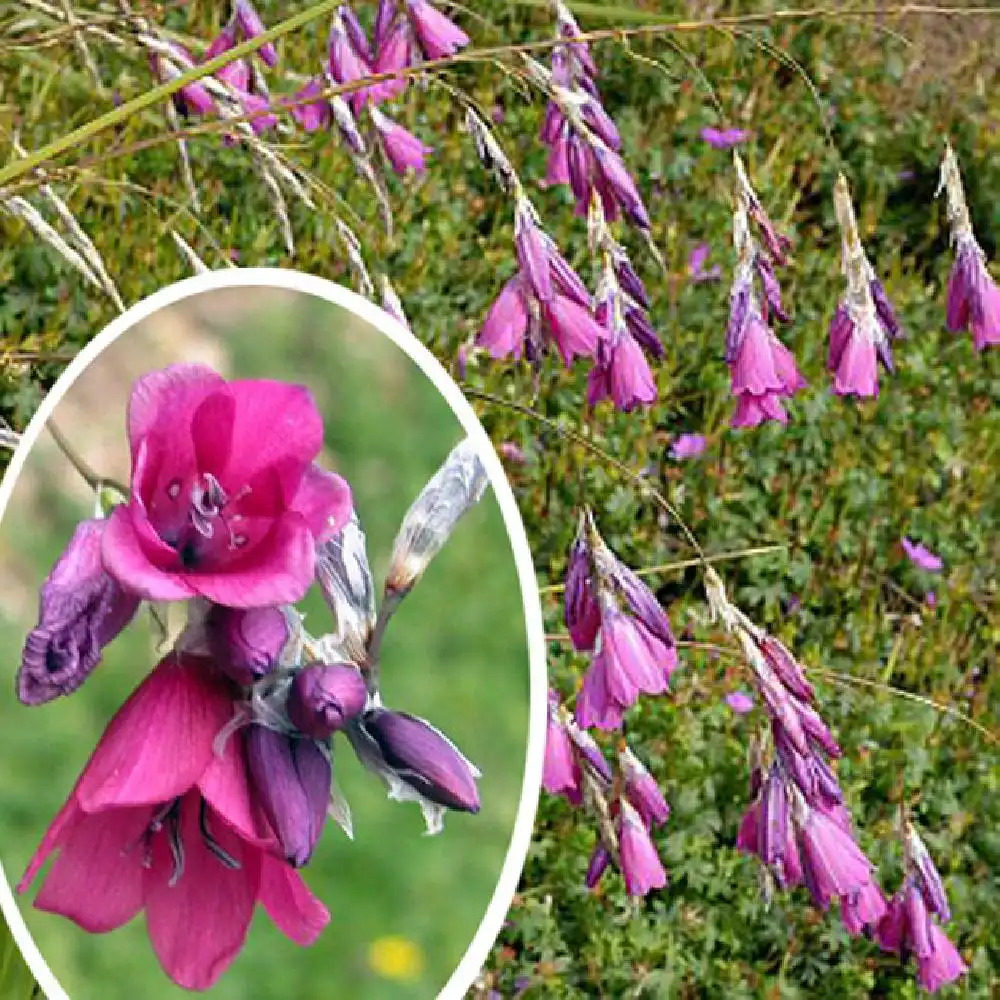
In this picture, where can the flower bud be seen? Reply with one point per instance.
(246, 643)
(417, 762)
(642, 790)
(81, 609)
(450, 492)
(345, 578)
(322, 699)
(291, 778)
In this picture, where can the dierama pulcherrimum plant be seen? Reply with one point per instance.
(211, 786)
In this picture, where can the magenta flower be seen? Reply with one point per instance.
(560, 771)
(439, 36)
(226, 502)
(312, 115)
(395, 53)
(832, 863)
(574, 330)
(630, 661)
(622, 375)
(853, 353)
(696, 265)
(250, 24)
(687, 446)
(973, 295)
(346, 63)
(158, 821)
(907, 928)
(740, 702)
(641, 866)
(921, 556)
(724, 138)
(80, 610)
(862, 911)
(506, 323)
(404, 150)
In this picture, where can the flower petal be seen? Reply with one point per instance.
(324, 499)
(296, 912)
(160, 741)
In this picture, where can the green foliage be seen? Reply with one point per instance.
(838, 487)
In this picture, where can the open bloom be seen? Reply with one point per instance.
(438, 35)
(226, 502)
(403, 149)
(973, 296)
(81, 609)
(159, 821)
(641, 866)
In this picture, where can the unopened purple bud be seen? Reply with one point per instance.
(532, 253)
(251, 25)
(384, 16)
(588, 749)
(644, 604)
(403, 149)
(930, 880)
(246, 643)
(583, 614)
(291, 779)
(816, 729)
(601, 123)
(642, 330)
(567, 281)
(825, 781)
(324, 697)
(355, 32)
(886, 312)
(739, 312)
(599, 861)
(630, 281)
(773, 835)
(787, 668)
(642, 790)
(424, 759)
(622, 186)
(772, 290)
(560, 772)
(80, 610)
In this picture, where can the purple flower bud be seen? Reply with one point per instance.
(80, 610)
(740, 702)
(772, 290)
(395, 52)
(587, 748)
(291, 779)
(532, 253)
(323, 698)
(687, 446)
(930, 882)
(583, 615)
(601, 123)
(640, 327)
(642, 790)
(773, 834)
(567, 281)
(251, 25)
(630, 281)
(787, 668)
(641, 865)
(645, 606)
(356, 33)
(599, 861)
(424, 759)
(384, 16)
(621, 185)
(404, 150)
(223, 42)
(886, 313)
(439, 36)
(346, 65)
(246, 643)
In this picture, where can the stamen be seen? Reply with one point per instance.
(212, 844)
(176, 847)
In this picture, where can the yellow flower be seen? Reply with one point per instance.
(395, 957)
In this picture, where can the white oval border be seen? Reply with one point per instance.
(308, 284)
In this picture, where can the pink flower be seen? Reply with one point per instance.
(853, 353)
(226, 502)
(345, 62)
(641, 866)
(438, 35)
(404, 150)
(687, 446)
(630, 661)
(724, 138)
(574, 329)
(907, 928)
(832, 863)
(250, 24)
(506, 323)
(623, 375)
(973, 296)
(921, 556)
(395, 53)
(315, 114)
(862, 909)
(740, 702)
(159, 822)
(560, 772)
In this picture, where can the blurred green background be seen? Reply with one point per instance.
(404, 906)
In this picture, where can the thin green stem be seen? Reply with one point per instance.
(92, 479)
(578, 438)
(558, 588)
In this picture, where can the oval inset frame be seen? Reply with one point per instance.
(475, 956)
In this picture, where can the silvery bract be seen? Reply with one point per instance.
(451, 491)
(346, 580)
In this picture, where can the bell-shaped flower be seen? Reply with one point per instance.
(226, 502)
(641, 866)
(560, 772)
(438, 35)
(404, 150)
(162, 820)
(81, 608)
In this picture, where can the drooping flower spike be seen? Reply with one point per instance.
(973, 294)
(635, 650)
(864, 324)
(762, 369)
(908, 927)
